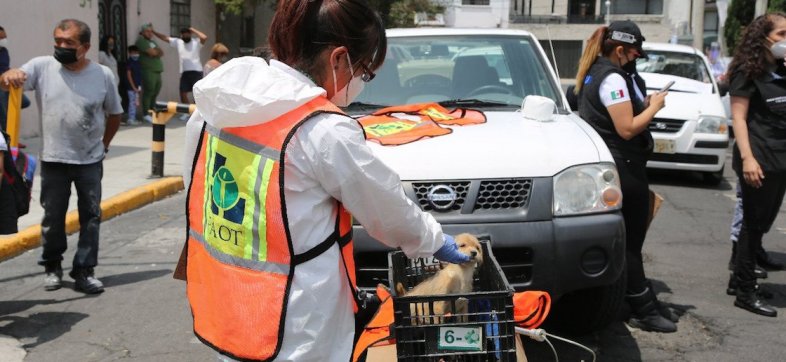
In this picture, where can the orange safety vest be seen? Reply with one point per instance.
(398, 125)
(240, 258)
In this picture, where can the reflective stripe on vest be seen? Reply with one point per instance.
(240, 258)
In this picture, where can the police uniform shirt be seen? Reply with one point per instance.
(766, 118)
(614, 90)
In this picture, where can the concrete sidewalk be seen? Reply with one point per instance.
(127, 183)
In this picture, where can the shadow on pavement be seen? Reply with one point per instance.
(117, 280)
(43, 327)
(16, 306)
(624, 347)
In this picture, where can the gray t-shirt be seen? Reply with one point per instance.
(72, 108)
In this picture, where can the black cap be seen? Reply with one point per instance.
(626, 31)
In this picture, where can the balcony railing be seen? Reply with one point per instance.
(557, 19)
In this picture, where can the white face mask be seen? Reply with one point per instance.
(346, 95)
(4, 43)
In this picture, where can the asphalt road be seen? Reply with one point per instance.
(144, 316)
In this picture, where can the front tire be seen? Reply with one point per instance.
(588, 310)
(714, 178)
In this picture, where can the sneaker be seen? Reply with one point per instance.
(148, 119)
(84, 281)
(54, 278)
(133, 122)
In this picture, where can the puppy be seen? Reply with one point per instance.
(451, 279)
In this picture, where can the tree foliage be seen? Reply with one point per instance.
(739, 15)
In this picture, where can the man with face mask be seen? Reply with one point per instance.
(190, 62)
(80, 110)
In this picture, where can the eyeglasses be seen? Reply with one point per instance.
(367, 75)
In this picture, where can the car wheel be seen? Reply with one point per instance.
(714, 178)
(589, 310)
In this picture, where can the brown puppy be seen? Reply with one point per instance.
(451, 279)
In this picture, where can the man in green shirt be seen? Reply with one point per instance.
(152, 66)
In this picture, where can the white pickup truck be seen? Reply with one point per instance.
(543, 190)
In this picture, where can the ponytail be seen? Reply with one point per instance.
(591, 52)
(287, 33)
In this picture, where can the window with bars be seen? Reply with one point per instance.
(179, 16)
(474, 2)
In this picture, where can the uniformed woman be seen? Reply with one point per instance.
(758, 109)
(613, 100)
(277, 169)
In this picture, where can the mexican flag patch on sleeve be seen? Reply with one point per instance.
(617, 94)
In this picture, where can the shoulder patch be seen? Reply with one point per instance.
(617, 94)
(587, 79)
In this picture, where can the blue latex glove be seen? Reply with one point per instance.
(449, 252)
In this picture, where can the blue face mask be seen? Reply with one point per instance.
(134, 57)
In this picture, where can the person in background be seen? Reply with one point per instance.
(190, 62)
(133, 83)
(757, 84)
(5, 63)
(152, 67)
(80, 112)
(218, 55)
(612, 101)
(106, 55)
(8, 213)
(300, 279)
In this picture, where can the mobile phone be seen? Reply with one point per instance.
(666, 87)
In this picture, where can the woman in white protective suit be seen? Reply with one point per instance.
(276, 170)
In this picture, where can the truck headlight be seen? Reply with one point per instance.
(587, 189)
(711, 124)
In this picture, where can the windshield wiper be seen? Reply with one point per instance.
(366, 105)
(472, 102)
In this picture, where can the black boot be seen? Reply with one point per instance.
(748, 300)
(645, 313)
(664, 311)
(761, 292)
(758, 270)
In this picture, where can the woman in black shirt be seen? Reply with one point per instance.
(758, 109)
(611, 98)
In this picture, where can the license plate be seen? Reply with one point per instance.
(460, 339)
(664, 146)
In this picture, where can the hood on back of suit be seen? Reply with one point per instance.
(247, 91)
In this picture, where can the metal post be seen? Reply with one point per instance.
(162, 113)
(608, 12)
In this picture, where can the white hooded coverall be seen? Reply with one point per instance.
(327, 159)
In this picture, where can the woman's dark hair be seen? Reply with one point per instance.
(103, 44)
(599, 44)
(302, 29)
(752, 56)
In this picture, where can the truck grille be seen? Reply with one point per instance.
(666, 125)
(422, 189)
(479, 195)
(503, 194)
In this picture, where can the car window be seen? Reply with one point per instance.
(684, 65)
(500, 69)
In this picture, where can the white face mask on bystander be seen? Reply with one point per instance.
(4, 43)
(346, 95)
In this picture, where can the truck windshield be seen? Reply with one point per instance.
(499, 71)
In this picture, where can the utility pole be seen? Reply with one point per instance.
(761, 8)
(608, 12)
(697, 24)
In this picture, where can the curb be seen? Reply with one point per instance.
(30, 238)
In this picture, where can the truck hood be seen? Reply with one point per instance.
(688, 99)
(506, 146)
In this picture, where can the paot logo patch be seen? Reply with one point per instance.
(617, 94)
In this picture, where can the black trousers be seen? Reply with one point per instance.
(635, 211)
(8, 212)
(56, 180)
(759, 209)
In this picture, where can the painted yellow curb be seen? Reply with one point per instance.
(30, 238)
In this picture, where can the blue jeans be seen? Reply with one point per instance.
(56, 179)
(736, 220)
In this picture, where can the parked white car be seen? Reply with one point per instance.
(543, 191)
(691, 132)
